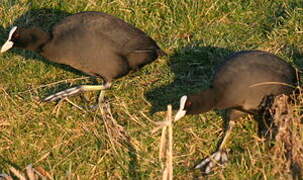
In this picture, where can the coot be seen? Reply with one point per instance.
(95, 43)
(239, 86)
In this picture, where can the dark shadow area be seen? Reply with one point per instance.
(193, 67)
(44, 18)
(133, 166)
(5, 161)
(296, 54)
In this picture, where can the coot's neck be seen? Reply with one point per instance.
(38, 38)
(202, 102)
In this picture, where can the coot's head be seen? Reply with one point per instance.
(201, 102)
(26, 38)
(185, 107)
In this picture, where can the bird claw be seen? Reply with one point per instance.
(63, 94)
(219, 157)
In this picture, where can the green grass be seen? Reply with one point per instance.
(196, 34)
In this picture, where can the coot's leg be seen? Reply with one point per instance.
(76, 90)
(101, 95)
(220, 156)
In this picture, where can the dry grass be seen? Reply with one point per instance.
(30, 174)
(287, 116)
(74, 143)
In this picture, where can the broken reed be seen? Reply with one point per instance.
(166, 144)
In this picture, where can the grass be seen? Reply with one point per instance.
(70, 143)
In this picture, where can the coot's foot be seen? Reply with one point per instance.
(219, 157)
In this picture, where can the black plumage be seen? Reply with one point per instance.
(95, 43)
(239, 85)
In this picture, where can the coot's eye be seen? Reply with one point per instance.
(16, 35)
(188, 103)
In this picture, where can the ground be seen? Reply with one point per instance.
(70, 142)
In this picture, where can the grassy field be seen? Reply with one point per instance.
(69, 142)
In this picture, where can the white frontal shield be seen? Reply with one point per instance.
(8, 44)
(181, 112)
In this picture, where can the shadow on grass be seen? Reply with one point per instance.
(133, 166)
(5, 162)
(296, 54)
(193, 67)
(44, 18)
